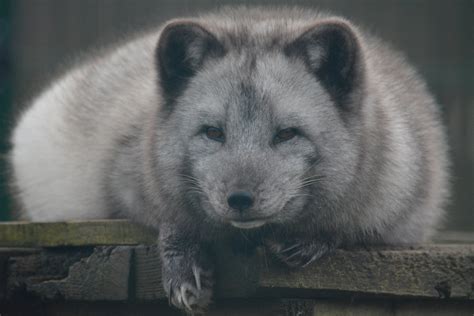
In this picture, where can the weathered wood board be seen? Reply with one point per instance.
(115, 232)
(74, 233)
(108, 264)
(133, 272)
(249, 307)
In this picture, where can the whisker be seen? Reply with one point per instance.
(306, 184)
(311, 181)
(312, 178)
(303, 194)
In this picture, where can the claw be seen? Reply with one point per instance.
(184, 298)
(170, 292)
(177, 300)
(197, 277)
(307, 263)
(320, 253)
(298, 253)
(289, 248)
(188, 285)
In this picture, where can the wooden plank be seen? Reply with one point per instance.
(74, 233)
(134, 273)
(357, 307)
(98, 274)
(249, 307)
(146, 273)
(431, 271)
(114, 232)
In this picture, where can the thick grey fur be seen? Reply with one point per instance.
(111, 139)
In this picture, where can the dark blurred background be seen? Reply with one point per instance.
(39, 38)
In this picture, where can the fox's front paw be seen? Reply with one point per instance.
(299, 253)
(188, 284)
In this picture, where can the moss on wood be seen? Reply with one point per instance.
(74, 233)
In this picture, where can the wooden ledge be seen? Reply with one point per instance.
(74, 233)
(120, 273)
(115, 261)
(115, 232)
(103, 267)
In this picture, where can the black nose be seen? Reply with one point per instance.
(240, 200)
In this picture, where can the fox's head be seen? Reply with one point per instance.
(258, 123)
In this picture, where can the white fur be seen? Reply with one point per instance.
(58, 164)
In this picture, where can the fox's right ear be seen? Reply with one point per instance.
(182, 49)
(332, 52)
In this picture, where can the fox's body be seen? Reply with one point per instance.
(321, 131)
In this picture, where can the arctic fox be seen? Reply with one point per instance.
(292, 123)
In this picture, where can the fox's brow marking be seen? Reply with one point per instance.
(248, 95)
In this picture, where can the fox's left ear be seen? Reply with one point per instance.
(182, 49)
(331, 51)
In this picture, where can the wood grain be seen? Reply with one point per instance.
(134, 272)
(74, 233)
(115, 265)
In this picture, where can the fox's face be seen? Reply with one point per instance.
(260, 136)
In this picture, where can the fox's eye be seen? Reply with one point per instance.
(285, 134)
(215, 134)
